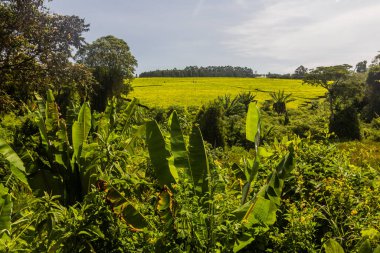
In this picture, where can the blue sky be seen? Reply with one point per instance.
(265, 35)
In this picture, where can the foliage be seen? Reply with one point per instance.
(327, 77)
(195, 71)
(280, 100)
(346, 124)
(300, 72)
(210, 120)
(372, 109)
(36, 47)
(113, 66)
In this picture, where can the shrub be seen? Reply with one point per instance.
(210, 122)
(345, 124)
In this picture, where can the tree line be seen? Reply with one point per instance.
(195, 71)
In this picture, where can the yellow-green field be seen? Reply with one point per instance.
(164, 92)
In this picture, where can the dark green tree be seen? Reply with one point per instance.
(361, 67)
(35, 50)
(300, 72)
(372, 109)
(113, 67)
(327, 78)
(211, 124)
(346, 124)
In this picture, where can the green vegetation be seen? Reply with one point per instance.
(210, 165)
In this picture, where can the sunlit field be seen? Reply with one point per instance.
(164, 92)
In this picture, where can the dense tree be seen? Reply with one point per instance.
(300, 72)
(279, 76)
(346, 124)
(327, 78)
(35, 50)
(361, 67)
(194, 71)
(113, 67)
(372, 109)
(349, 92)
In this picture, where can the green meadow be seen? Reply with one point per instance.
(164, 92)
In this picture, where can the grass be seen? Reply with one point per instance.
(164, 92)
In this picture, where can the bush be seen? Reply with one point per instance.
(345, 124)
(210, 122)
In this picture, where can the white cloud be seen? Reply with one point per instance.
(308, 32)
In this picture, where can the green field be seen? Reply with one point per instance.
(164, 92)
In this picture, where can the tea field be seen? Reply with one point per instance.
(164, 92)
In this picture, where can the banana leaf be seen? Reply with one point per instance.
(160, 156)
(178, 146)
(198, 162)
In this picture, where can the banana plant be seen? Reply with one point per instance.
(260, 212)
(173, 158)
(174, 162)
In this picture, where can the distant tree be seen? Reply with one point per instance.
(195, 71)
(36, 48)
(376, 60)
(361, 67)
(113, 67)
(327, 78)
(349, 92)
(372, 109)
(300, 72)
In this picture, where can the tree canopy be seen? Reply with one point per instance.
(112, 65)
(327, 76)
(36, 47)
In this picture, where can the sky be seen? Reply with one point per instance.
(266, 35)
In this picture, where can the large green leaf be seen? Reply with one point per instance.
(128, 114)
(39, 120)
(365, 247)
(11, 155)
(81, 128)
(262, 210)
(198, 162)
(160, 155)
(252, 123)
(17, 165)
(126, 210)
(133, 217)
(178, 146)
(41, 104)
(332, 246)
(253, 169)
(6, 206)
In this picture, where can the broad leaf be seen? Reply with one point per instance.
(332, 246)
(16, 164)
(365, 247)
(81, 128)
(6, 206)
(252, 123)
(178, 147)
(160, 155)
(198, 162)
